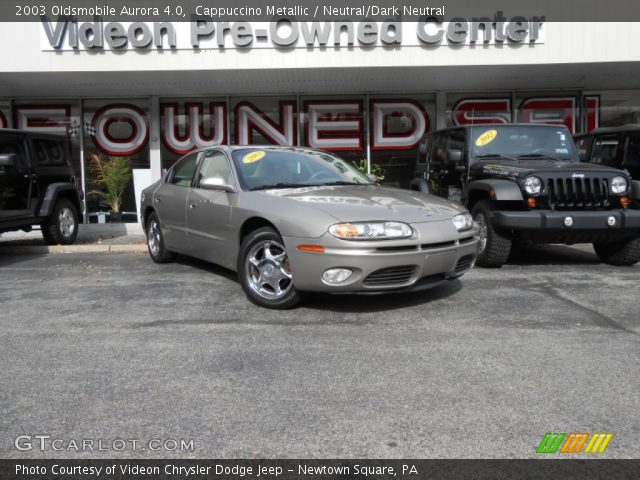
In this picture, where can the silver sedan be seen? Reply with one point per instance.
(291, 221)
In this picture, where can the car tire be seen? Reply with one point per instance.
(61, 227)
(155, 242)
(622, 254)
(264, 272)
(494, 249)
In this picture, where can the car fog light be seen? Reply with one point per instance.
(568, 221)
(611, 221)
(336, 275)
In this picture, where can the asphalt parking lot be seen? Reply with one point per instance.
(112, 346)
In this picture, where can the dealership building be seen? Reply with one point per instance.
(153, 91)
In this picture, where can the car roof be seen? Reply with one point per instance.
(629, 127)
(493, 125)
(232, 148)
(48, 136)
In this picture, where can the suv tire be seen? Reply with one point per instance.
(155, 242)
(263, 271)
(622, 253)
(61, 227)
(494, 248)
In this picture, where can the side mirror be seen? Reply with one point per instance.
(216, 183)
(7, 160)
(454, 155)
(582, 155)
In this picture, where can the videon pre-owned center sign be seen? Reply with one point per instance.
(63, 33)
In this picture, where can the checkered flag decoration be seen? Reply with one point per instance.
(89, 129)
(74, 129)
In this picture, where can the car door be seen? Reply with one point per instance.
(170, 202)
(16, 179)
(631, 158)
(209, 213)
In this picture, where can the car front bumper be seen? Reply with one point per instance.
(436, 253)
(580, 220)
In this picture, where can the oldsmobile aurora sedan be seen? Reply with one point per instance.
(291, 221)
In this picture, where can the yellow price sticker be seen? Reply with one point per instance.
(253, 156)
(486, 137)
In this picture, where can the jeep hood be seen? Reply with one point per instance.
(523, 167)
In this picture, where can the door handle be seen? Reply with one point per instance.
(192, 205)
(157, 199)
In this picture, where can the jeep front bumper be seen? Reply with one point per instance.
(557, 220)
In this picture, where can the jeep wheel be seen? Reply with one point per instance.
(494, 248)
(622, 253)
(264, 271)
(61, 228)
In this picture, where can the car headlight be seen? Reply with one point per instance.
(463, 221)
(618, 185)
(533, 185)
(371, 230)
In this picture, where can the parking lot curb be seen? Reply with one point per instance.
(45, 249)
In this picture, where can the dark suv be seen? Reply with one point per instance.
(524, 183)
(617, 147)
(38, 186)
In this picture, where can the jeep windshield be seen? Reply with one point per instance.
(522, 142)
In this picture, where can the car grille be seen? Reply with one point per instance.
(391, 276)
(464, 263)
(576, 193)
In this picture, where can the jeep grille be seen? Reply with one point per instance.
(563, 193)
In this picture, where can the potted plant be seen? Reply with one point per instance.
(376, 169)
(111, 177)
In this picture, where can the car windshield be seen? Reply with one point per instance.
(260, 169)
(517, 142)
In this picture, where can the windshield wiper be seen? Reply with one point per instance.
(496, 155)
(540, 155)
(343, 182)
(268, 186)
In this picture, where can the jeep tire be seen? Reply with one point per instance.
(494, 248)
(61, 227)
(623, 253)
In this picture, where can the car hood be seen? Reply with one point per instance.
(524, 167)
(370, 202)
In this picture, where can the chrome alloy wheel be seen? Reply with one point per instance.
(268, 272)
(482, 224)
(153, 238)
(66, 222)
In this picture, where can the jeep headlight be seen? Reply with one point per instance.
(533, 186)
(463, 221)
(618, 185)
(371, 230)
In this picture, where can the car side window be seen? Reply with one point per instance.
(14, 145)
(183, 172)
(438, 150)
(455, 148)
(605, 150)
(632, 153)
(423, 148)
(49, 153)
(215, 164)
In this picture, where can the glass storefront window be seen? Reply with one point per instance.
(115, 128)
(618, 107)
(188, 124)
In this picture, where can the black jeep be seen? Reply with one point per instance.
(617, 147)
(523, 183)
(38, 186)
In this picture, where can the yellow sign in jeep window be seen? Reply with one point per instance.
(486, 138)
(253, 156)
